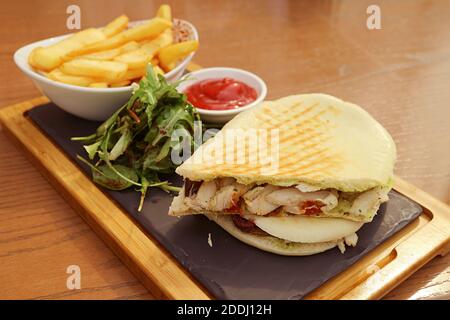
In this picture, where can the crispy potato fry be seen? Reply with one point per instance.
(134, 59)
(108, 70)
(112, 53)
(171, 54)
(122, 83)
(151, 47)
(99, 85)
(149, 29)
(60, 76)
(164, 12)
(129, 46)
(158, 70)
(170, 67)
(154, 61)
(31, 61)
(117, 25)
(102, 55)
(43, 73)
(113, 56)
(51, 57)
(134, 74)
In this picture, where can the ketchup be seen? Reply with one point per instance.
(312, 207)
(220, 94)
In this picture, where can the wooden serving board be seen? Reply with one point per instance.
(370, 278)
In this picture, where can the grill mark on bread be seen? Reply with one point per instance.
(274, 123)
(311, 129)
(299, 138)
(323, 169)
(316, 124)
(293, 163)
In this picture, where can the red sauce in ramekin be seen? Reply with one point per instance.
(220, 94)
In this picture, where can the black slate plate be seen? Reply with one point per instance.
(230, 269)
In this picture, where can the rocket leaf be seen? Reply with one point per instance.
(134, 145)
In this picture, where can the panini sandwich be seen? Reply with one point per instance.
(333, 169)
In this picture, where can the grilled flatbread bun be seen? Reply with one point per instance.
(323, 141)
(271, 244)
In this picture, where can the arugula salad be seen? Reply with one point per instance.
(133, 147)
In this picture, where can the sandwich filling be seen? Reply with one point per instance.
(281, 212)
(227, 196)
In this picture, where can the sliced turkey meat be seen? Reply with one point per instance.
(178, 203)
(256, 200)
(369, 200)
(228, 196)
(205, 193)
(297, 202)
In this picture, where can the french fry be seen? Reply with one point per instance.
(102, 55)
(60, 76)
(108, 70)
(112, 53)
(43, 73)
(99, 85)
(122, 83)
(151, 47)
(51, 57)
(158, 70)
(113, 56)
(164, 12)
(117, 25)
(170, 67)
(134, 74)
(31, 61)
(150, 29)
(171, 54)
(129, 46)
(154, 61)
(134, 59)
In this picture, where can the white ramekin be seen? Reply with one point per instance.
(222, 116)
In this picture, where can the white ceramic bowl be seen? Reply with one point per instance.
(90, 103)
(222, 116)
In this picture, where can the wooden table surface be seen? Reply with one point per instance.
(400, 74)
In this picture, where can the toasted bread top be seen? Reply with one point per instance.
(312, 138)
